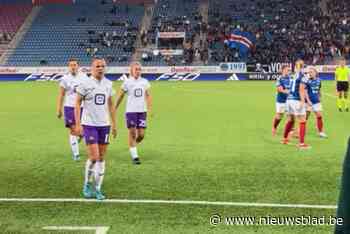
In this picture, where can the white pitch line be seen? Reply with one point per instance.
(181, 202)
(98, 230)
(330, 95)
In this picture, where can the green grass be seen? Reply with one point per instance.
(207, 141)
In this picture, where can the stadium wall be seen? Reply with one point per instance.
(223, 72)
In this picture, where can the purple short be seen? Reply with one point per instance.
(96, 135)
(136, 119)
(69, 118)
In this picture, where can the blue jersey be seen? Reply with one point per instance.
(284, 82)
(314, 90)
(294, 94)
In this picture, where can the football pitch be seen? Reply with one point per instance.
(207, 141)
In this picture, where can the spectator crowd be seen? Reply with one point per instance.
(284, 30)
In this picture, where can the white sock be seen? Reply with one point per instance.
(99, 174)
(89, 171)
(133, 152)
(74, 144)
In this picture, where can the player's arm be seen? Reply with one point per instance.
(77, 114)
(60, 98)
(302, 91)
(336, 75)
(119, 100)
(336, 79)
(149, 101)
(280, 89)
(112, 111)
(307, 98)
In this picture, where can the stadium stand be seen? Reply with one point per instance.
(12, 15)
(174, 16)
(82, 30)
(284, 30)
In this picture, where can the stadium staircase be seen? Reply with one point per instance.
(323, 5)
(170, 10)
(62, 31)
(20, 34)
(146, 24)
(204, 12)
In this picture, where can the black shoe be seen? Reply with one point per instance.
(136, 161)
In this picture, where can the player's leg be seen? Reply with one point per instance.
(317, 109)
(132, 135)
(277, 118)
(302, 130)
(140, 135)
(100, 169)
(141, 126)
(339, 101)
(290, 122)
(319, 124)
(74, 143)
(131, 123)
(103, 141)
(288, 127)
(93, 155)
(308, 113)
(91, 136)
(69, 120)
(345, 100)
(339, 96)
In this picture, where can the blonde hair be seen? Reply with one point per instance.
(132, 65)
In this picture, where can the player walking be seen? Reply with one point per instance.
(66, 98)
(283, 86)
(138, 103)
(98, 118)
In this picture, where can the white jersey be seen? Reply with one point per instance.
(95, 96)
(69, 83)
(136, 91)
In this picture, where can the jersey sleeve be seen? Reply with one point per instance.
(124, 86)
(111, 91)
(63, 83)
(278, 83)
(82, 89)
(304, 80)
(337, 71)
(147, 85)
